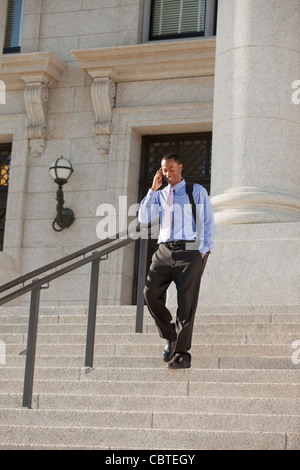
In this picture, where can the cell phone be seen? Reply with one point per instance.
(162, 175)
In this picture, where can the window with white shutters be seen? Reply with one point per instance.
(14, 21)
(177, 18)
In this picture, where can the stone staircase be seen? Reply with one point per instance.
(243, 391)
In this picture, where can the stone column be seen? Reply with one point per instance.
(3, 11)
(256, 131)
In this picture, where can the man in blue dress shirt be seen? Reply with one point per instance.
(184, 246)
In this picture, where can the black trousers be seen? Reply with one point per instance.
(185, 268)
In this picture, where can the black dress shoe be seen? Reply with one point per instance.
(179, 363)
(168, 354)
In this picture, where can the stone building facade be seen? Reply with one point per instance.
(89, 84)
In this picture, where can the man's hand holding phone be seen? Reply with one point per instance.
(157, 180)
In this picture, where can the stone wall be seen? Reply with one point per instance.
(95, 94)
(61, 26)
(167, 88)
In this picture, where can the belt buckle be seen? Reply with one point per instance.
(171, 245)
(178, 245)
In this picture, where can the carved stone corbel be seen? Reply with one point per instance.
(36, 73)
(103, 97)
(36, 97)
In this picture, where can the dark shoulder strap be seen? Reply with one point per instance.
(189, 191)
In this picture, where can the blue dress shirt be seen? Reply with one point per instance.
(184, 226)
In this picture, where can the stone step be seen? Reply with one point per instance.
(181, 387)
(154, 374)
(186, 404)
(200, 318)
(204, 328)
(76, 310)
(241, 393)
(132, 338)
(208, 350)
(204, 362)
(238, 328)
(147, 438)
(31, 447)
(129, 313)
(147, 350)
(152, 420)
(130, 318)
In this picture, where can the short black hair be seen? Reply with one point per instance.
(171, 156)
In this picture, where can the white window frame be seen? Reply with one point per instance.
(209, 21)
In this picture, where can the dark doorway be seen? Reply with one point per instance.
(195, 151)
(5, 157)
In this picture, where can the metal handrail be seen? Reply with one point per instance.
(38, 284)
(59, 262)
(50, 277)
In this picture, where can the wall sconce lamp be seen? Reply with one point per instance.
(61, 171)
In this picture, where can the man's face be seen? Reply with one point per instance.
(171, 171)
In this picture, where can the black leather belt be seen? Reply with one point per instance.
(178, 244)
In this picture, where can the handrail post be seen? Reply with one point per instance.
(91, 328)
(141, 285)
(31, 346)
